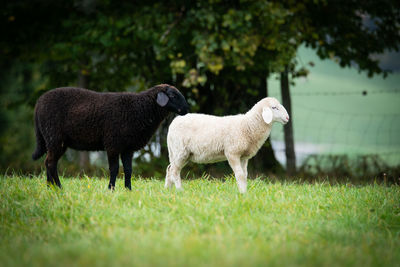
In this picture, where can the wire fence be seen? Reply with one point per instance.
(347, 93)
(333, 129)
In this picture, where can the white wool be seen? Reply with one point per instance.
(205, 138)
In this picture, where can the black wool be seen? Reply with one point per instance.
(119, 123)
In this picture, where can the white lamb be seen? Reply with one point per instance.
(204, 138)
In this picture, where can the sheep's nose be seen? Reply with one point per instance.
(287, 118)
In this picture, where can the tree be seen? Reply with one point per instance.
(352, 32)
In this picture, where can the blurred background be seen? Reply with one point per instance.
(333, 64)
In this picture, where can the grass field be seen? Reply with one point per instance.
(208, 224)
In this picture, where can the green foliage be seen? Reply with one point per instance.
(210, 223)
(158, 41)
(352, 32)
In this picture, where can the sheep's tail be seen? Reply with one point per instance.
(40, 143)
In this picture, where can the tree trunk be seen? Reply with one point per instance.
(288, 129)
(83, 81)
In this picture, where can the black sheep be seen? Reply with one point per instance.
(119, 123)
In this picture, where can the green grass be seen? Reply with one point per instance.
(274, 224)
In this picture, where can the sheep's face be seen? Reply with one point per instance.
(173, 100)
(274, 111)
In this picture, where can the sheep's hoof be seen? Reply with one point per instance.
(53, 186)
(129, 188)
(242, 190)
(179, 189)
(111, 187)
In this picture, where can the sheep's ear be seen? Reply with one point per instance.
(162, 99)
(267, 115)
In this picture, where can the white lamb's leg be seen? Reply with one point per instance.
(243, 163)
(168, 178)
(241, 177)
(176, 176)
(178, 181)
(175, 170)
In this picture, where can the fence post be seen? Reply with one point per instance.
(288, 128)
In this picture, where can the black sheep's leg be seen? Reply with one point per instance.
(59, 154)
(113, 166)
(53, 155)
(126, 158)
(50, 180)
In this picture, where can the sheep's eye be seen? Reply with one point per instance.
(274, 108)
